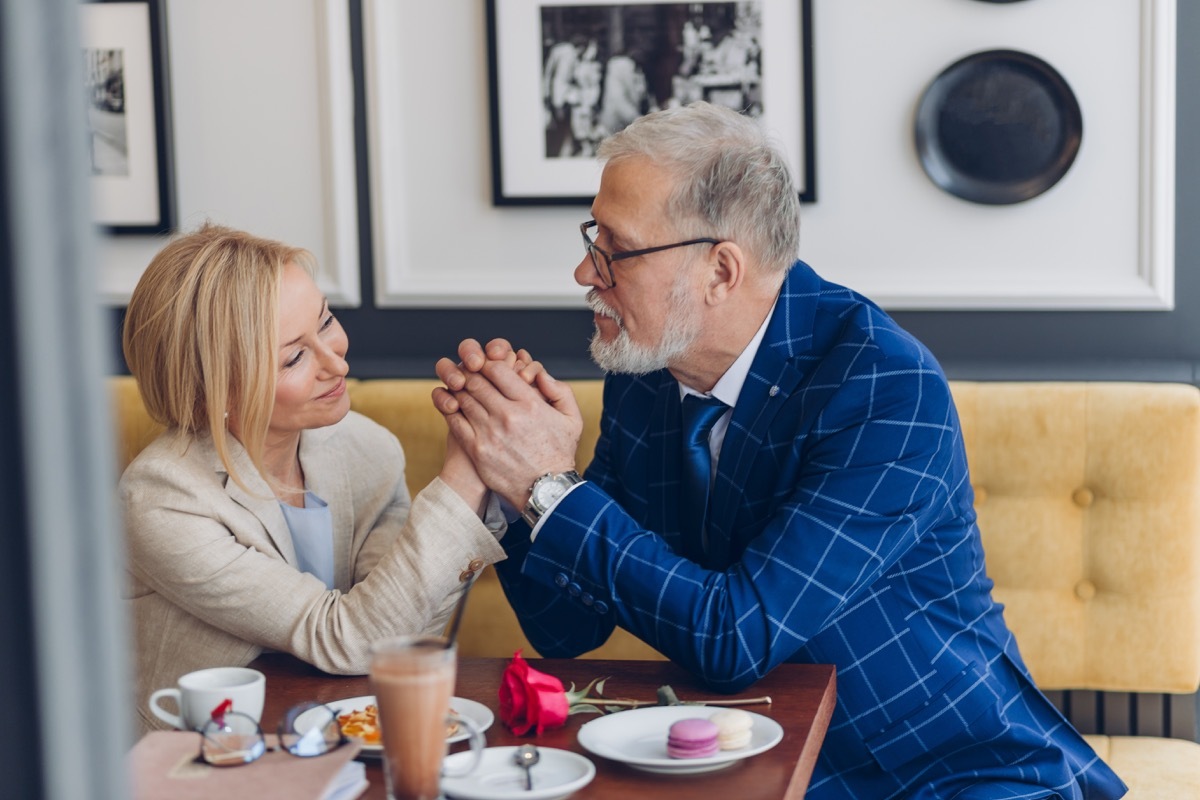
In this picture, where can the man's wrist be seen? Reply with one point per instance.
(545, 491)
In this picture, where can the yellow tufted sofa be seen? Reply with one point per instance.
(1088, 497)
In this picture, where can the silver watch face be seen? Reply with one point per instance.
(547, 490)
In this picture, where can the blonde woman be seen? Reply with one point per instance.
(269, 516)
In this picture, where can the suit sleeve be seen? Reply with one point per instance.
(555, 617)
(874, 473)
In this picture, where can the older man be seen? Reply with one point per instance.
(780, 476)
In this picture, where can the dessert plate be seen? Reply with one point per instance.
(558, 774)
(638, 737)
(478, 713)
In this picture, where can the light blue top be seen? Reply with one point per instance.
(312, 536)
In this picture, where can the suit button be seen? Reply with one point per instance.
(574, 589)
(475, 565)
(561, 580)
(586, 599)
(600, 607)
(465, 575)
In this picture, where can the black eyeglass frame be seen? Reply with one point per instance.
(610, 280)
(288, 738)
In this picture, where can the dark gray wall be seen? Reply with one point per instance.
(1127, 345)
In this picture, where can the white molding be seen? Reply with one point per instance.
(339, 269)
(385, 146)
(1101, 239)
(259, 147)
(438, 242)
(1157, 206)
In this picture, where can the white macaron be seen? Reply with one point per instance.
(733, 728)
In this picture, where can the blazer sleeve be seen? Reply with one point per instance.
(201, 551)
(553, 616)
(877, 472)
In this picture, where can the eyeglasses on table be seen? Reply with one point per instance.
(231, 738)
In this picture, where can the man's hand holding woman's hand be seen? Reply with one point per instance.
(508, 414)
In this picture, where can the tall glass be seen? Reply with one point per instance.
(413, 678)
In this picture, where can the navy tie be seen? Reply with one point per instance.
(700, 414)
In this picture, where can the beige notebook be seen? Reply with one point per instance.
(162, 767)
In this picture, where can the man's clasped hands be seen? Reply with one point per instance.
(509, 415)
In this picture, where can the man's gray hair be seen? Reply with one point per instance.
(733, 183)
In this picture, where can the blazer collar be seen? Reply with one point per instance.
(326, 474)
(257, 497)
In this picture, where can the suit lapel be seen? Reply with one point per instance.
(775, 374)
(259, 501)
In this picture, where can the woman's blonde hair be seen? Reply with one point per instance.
(201, 335)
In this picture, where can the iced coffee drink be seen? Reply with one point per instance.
(413, 679)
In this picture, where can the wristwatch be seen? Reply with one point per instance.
(545, 492)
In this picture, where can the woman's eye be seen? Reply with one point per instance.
(294, 360)
(328, 321)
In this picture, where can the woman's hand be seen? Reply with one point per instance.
(459, 473)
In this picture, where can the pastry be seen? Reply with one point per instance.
(733, 728)
(692, 738)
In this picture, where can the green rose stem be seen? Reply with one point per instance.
(580, 701)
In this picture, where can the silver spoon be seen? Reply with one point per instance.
(525, 757)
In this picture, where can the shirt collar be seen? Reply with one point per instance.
(729, 386)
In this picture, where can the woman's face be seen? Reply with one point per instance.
(310, 389)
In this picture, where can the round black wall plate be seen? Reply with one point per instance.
(998, 127)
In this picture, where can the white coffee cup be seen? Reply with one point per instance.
(202, 691)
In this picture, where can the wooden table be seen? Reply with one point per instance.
(803, 695)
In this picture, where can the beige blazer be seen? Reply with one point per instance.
(213, 577)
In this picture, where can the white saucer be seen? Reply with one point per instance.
(558, 774)
(638, 737)
(478, 713)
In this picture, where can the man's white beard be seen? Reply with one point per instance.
(623, 355)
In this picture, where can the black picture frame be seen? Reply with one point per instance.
(544, 127)
(130, 143)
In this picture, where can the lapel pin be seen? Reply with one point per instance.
(774, 391)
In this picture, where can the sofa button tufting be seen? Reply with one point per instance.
(1085, 590)
(980, 495)
(1083, 497)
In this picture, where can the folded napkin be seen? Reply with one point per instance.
(162, 766)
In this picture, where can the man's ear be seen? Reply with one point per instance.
(728, 271)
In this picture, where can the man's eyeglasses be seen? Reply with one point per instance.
(603, 260)
(230, 738)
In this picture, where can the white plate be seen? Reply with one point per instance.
(478, 713)
(638, 737)
(558, 773)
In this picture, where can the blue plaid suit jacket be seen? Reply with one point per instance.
(842, 531)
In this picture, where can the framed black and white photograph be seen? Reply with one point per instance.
(564, 74)
(128, 116)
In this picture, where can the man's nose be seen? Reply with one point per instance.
(586, 273)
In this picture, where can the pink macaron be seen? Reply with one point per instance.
(692, 738)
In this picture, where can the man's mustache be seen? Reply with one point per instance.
(600, 307)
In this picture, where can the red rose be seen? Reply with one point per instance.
(530, 699)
